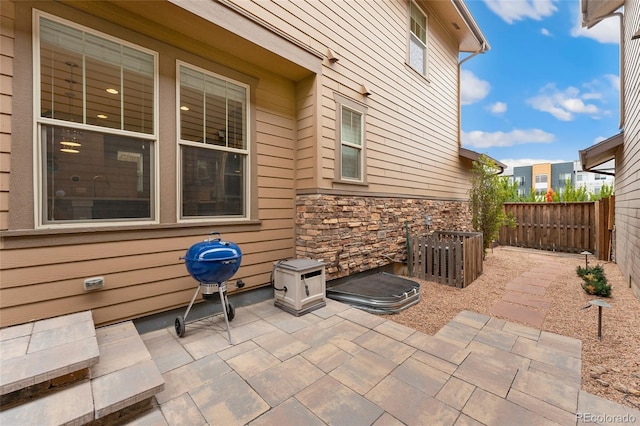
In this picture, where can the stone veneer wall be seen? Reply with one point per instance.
(352, 234)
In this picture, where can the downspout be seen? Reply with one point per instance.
(483, 48)
(622, 79)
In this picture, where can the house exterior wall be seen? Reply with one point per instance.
(411, 131)
(43, 270)
(627, 184)
(7, 18)
(412, 167)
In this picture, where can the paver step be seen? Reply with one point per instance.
(116, 388)
(126, 374)
(37, 353)
(71, 405)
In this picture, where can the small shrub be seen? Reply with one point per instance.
(595, 282)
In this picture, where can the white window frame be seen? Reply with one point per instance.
(247, 197)
(39, 121)
(344, 102)
(412, 37)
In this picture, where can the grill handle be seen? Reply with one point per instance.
(214, 239)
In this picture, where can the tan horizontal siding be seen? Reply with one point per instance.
(7, 20)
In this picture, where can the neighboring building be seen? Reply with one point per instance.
(561, 174)
(595, 179)
(625, 146)
(523, 176)
(538, 178)
(131, 130)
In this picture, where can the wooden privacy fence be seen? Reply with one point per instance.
(452, 258)
(564, 227)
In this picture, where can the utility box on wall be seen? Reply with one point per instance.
(299, 285)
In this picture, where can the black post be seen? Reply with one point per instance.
(599, 322)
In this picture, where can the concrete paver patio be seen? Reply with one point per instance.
(340, 365)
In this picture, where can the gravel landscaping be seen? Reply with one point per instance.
(610, 367)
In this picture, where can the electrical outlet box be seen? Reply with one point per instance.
(94, 283)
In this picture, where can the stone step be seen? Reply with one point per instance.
(71, 405)
(116, 389)
(126, 374)
(37, 354)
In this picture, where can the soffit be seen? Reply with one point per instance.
(208, 28)
(594, 10)
(601, 152)
(459, 22)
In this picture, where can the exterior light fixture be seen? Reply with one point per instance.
(102, 116)
(586, 260)
(112, 91)
(332, 56)
(184, 108)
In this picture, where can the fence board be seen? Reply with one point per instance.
(452, 258)
(566, 227)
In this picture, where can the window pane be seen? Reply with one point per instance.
(212, 182)
(351, 126)
(418, 23)
(350, 162)
(75, 63)
(214, 110)
(417, 55)
(90, 176)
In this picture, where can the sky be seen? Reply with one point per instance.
(546, 89)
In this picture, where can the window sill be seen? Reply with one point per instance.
(337, 182)
(51, 237)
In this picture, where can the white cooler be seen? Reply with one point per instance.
(305, 285)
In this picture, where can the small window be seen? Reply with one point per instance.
(351, 139)
(351, 158)
(213, 144)
(418, 39)
(599, 176)
(96, 125)
(541, 178)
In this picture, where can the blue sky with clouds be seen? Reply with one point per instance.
(546, 89)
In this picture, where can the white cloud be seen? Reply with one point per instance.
(517, 10)
(480, 139)
(605, 31)
(472, 88)
(614, 80)
(565, 104)
(498, 108)
(545, 32)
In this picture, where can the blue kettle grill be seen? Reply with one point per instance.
(211, 262)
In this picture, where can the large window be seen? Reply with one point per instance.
(96, 130)
(418, 39)
(213, 144)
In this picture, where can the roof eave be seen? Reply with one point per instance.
(601, 152)
(474, 156)
(593, 11)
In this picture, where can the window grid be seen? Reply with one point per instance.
(96, 148)
(213, 128)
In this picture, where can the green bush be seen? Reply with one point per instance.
(594, 280)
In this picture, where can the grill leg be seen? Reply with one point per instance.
(224, 303)
(193, 299)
